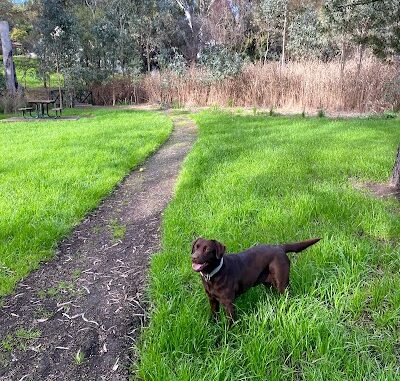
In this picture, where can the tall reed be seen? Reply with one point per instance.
(296, 85)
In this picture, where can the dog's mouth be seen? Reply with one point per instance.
(199, 266)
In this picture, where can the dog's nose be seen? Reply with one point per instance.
(195, 256)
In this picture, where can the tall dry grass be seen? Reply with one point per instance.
(296, 86)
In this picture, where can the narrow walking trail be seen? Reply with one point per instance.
(78, 315)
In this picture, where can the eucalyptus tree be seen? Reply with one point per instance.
(272, 16)
(275, 18)
(385, 37)
(195, 14)
(306, 39)
(9, 67)
(57, 42)
(369, 23)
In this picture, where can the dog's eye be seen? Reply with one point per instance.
(197, 246)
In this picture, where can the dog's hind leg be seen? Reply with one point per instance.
(279, 274)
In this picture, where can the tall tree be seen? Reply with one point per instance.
(395, 179)
(10, 73)
(57, 45)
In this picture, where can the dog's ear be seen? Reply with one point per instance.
(194, 243)
(220, 249)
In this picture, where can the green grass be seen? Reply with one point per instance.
(278, 179)
(27, 72)
(52, 173)
(20, 339)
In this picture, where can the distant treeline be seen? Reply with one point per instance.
(95, 41)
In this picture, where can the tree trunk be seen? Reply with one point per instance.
(59, 82)
(266, 49)
(343, 59)
(360, 58)
(148, 56)
(395, 179)
(284, 36)
(10, 75)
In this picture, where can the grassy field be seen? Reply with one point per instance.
(261, 179)
(52, 173)
(27, 72)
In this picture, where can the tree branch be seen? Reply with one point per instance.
(187, 13)
(359, 3)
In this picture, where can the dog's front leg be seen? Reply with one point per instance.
(214, 304)
(230, 311)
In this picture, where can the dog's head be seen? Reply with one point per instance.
(206, 254)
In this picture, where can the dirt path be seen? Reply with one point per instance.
(76, 317)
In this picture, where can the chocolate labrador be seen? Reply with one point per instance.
(226, 277)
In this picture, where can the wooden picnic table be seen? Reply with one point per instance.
(42, 106)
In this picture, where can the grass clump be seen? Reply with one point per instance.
(79, 357)
(118, 231)
(250, 180)
(20, 339)
(53, 173)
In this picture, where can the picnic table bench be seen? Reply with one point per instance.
(42, 106)
(25, 109)
(57, 110)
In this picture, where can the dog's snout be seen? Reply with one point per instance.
(195, 256)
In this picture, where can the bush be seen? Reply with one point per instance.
(173, 61)
(390, 115)
(10, 104)
(221, 62)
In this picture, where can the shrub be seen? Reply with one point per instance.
(221, 62)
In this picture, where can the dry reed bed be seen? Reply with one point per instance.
(308, 85)
(295, 86)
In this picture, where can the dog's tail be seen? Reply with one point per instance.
(299, 246)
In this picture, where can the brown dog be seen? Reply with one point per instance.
(226, 277)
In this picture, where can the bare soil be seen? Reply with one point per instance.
(378, 190)
(79, 315)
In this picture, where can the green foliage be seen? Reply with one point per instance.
(271, 111)
(305, 35)
(221, 61)
(371, 24)
(20, 339)
(79, 357)
(172, 60)
(18, 35)
(92, 42)
(55, 172)
(390, 115)
(254, 179)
